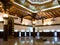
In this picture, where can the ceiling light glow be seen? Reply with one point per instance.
(5, 15)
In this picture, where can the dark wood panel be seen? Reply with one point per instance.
(33, 33)
(48, 34)
(22, 34)
(16, 34)
(1, 34)
(58, 34)
(27, 34)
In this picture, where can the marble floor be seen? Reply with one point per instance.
(31, 41)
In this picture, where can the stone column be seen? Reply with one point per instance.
(5, 38)
(34, 31)
(11, 26)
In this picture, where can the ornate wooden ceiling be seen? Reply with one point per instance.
(21, 12)
(39, 2)
(52, 13)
